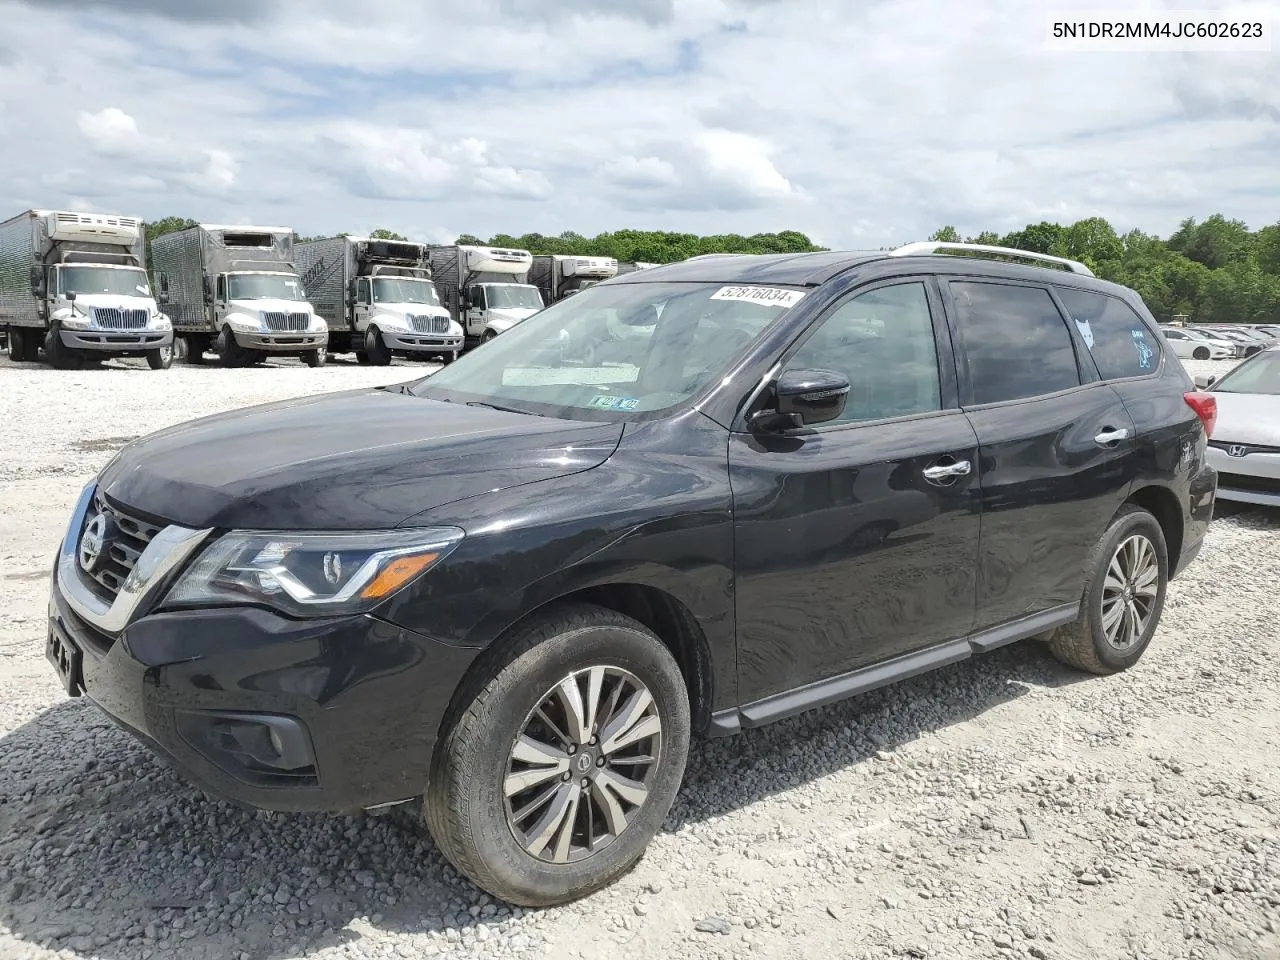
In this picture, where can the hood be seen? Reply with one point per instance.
(512, 315)
(361, 459)
(1247, 418)
(414, 309)
(87, 301)
(286, 306)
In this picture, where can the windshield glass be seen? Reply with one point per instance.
(614, 349)
(507, 296)
(122, 283)
(404, 290)
(1259, 375)
(263, 286)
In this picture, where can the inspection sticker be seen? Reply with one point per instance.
(769, 296)
(606, 402)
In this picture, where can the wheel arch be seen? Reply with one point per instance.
(1162, 503)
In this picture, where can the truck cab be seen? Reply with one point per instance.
(265, 310)
(493, 308)
(396, 312)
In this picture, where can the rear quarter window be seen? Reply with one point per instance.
(1121, 343)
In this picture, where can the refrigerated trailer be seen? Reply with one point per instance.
(625, 267)
(377, 298)
(234, 289)
(485, 289)
(75, 286)
(557, 277)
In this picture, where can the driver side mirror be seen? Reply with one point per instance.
(208, 291)
(71, 296)
(1204, 382)
(37, 282)
(162, 281)
(804, 398)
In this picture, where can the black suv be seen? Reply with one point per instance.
(515, 588)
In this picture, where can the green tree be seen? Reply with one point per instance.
(947, 234)
(1215, 243)
(469, 240)
(381, 234)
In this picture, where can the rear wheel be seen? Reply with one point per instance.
(24, 345)
(193, 349)
(1123, 597)
(161, 358)
(1200, 353)
(375, 348)
(565, 761)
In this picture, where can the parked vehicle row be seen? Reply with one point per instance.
(1245, 447)
(515, 588)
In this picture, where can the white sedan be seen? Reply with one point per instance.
(1244, 446)
(1194, 345)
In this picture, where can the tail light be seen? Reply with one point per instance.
(1206, 407)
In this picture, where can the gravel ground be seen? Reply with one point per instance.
(1003, 807)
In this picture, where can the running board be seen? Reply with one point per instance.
(791, 702)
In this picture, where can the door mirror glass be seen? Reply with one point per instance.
(162, 282)
(805, 397)
(1204, 382)
(37, 282)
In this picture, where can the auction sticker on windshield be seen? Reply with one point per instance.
(769, 296)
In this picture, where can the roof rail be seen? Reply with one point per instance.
(933, 246)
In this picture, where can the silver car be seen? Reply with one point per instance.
(1245, 443)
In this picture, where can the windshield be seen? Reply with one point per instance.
(122, 283)
(507, 296)
(1258, 375)
(404, 290)
(614, 349)
(263, 286)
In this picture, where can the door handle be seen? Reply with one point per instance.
(946, 471)
(1108, 436)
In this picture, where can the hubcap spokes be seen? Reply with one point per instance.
(580, 768)
(1129, 591)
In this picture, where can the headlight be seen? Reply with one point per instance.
(317, 323)
(160, 322)
(245, 323)
(76, 321)
(391, 321)
(311, 574)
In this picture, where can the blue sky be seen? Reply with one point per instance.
(861, 124)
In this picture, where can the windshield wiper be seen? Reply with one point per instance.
(494, 406)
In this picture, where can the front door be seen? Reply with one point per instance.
(856, 540)
(220, 302)
(476, 309)
(1057, 445)
(364, 299)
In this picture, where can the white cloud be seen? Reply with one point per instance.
(110, 130)
(641, 172)
(742, 162)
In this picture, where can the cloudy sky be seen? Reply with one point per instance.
(861, 123)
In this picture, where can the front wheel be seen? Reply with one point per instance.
(229, 351)
(1123, 597)
(1200, 353)
(160, 358)
(375, 348)
(488, 335)
(314, 358)
(60, 356)
(564, 763)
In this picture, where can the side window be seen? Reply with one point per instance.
(477, 297)
(1014, 342)
(1121, 344)
(362, 290)
(222, 287)
(882, 340)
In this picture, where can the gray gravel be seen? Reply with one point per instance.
(1004, 807)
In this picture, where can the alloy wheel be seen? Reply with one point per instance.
(1129, 592)
(581, 766)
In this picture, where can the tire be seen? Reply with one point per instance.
(24, 346)
(375, 349)
(57, 352)
(1200, 353)
(1087, 643)
(362, 358)
(229, 352)
(193, 350)
(467, 809)
(160, 358)
(488, 336)
(314, 358)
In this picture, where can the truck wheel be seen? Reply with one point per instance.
(229, 351)
(160, 359)
(375, 349)
(449, 357)
(488, 335)
(563, 760)
(57, 352)
(23, 346)
(193, 350)
(314, 358)
(362, 358)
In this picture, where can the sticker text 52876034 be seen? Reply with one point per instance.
(767, 296)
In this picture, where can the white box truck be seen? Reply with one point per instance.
(234, 289)
(631, 266)
(75, 285)
(486, 289)
(377, 298)
(557, 277)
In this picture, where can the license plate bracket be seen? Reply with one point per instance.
(67, 660)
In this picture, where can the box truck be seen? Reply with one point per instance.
(486, 289)
(377, 298)
(625, 267)
(557, 277)
(234, 289)
(75, 285)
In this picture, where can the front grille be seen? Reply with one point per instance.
(113, 318)
(1242, 481)
(289, 322)
(127, 537)
(429, 324)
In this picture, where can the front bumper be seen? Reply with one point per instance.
(116, 341)
(282, 342)
(1251, 477)
(421, 342)
(355, 703)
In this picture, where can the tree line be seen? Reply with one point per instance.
(1213, 271)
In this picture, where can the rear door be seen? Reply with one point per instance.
(855, 541)
(1056, 444)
